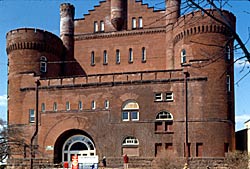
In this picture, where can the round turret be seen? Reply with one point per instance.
(172, 11)
(118, 13)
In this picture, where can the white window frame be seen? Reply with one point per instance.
(125, 119)
(133, 23)
(169, 96)
(106, 104)
(130, 57)
(162, 114)
(140, 21)
(43, 107)
(93, 105)
(130, 141)
(137, 114)
(105, 57)
(32, 116)
(183, 56)
(54, 106)
(43, 64)
(144, 56)
(228, 53)
(67, 106)
(96, 29)
(102, 26)
(118, 56)
(158, 97)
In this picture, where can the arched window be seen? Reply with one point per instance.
(130, 111)
(163, 122)
(105, 57)
(183, 56)
(43, 64)
(130, 58)
(133, 23)
(130, 146)
(143, 54)
(102, 26)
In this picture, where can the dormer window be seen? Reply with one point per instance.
(183, 56)
(43, 64)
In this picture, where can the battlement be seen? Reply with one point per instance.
(31, 38)
(67, 7)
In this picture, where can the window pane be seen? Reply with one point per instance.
(117, 56)
(43, 107)
(143, 54)
(130, 55)
(92, 58)
(125, 116)
(169, 96)
(158, 96)
(140, 22)
(105, 57)
(102, 26)
(134, 115)
(80, 105)
(32, 115)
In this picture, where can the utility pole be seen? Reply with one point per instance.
(32, 153)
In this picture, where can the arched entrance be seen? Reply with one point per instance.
(73, 142)
(79, 145)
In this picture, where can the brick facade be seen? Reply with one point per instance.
(201, 86)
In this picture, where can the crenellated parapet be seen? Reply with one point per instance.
(198, 23)
(33, 39)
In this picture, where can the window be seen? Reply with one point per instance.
(43, 64)
(67, 106)
(118, 57)
(92, 58)
(164, 122)
(228, 53)
(130, 141)
(130, 58)
(31, 115)
(130, 146)
(183, 56)
(106, 104)
(102, 26)
(96, 29)
(105, 57)
(43, 107)
(80, 105)
(228, 83)
(130, 111)
(93, 105)
(55, 106)
(158, 97)
(133, 23)
(199, 149)
(169, 96)
(140, 23)
(143, 52)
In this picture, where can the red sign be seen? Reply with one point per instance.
(75, 162)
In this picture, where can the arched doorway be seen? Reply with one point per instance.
(77, 145)
(73, 142)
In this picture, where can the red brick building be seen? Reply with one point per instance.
(124, 79)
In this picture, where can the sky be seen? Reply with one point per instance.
(45, 15)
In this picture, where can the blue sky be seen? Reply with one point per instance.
(44, 14)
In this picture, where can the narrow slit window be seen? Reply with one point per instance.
(118, 56)
(183, 56)
(93, 105)
(106, 104)
(144, 54)
(67, 106)
(96, 29)
(133, 23)
(55, 106)
(130, 59)
(31, 115)
(43, 107)
(102, 26)
(92, 58)
(80, 105)
(43, 64)
(105, 57)
(140, 22)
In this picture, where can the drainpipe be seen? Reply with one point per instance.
(187, 153)
(32, 153)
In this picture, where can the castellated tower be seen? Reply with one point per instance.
(67, 13)
(33, 53)
(118, 13)
(172, 11)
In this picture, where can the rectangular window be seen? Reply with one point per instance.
(102, 26)
(140, 23)
(125, 116)
(228, 83)
(134, 116)
(118, 57)
(228, 53)
(133, 23)
(106, 104)
(55, 106)
(105, 57)
(43, 107)
(31, 115)
(96, 29)
(159, 126)
(93, 105)
(158, 97)
(130, 58)
(80, 105)
(158, 148)
(169, 96)
(169, 146)
(143, 54)
(92, 58)
(67, 106)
